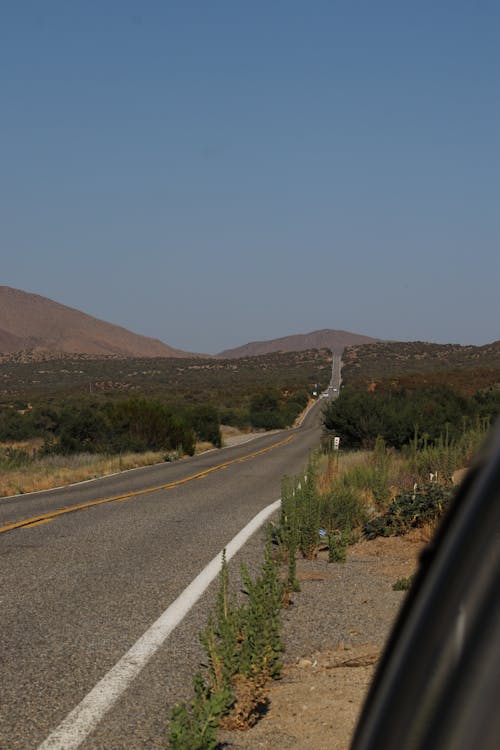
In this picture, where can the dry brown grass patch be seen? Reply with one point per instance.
(55, 471)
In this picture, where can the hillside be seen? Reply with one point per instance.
(194, 380)
(42, 328)
(468, 368)
(326, 338)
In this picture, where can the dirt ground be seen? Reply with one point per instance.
(316, 703)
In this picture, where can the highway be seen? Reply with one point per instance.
(79, 587)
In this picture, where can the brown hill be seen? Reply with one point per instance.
(35, 323)
(327, 338)
(9, 342)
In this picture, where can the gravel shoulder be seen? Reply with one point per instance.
(334, 633)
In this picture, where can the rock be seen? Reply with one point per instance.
(304, 663)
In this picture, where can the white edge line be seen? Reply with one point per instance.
(80, 722)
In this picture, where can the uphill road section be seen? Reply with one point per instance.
(87, 570)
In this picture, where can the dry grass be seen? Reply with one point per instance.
(54, 471)
(337, 464)
(202, 446)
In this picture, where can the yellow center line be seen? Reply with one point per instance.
(45, 517)
(37, 523)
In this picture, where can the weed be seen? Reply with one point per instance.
(221, 637)
(194, 726)
(403, 584)
(243, 648)
(337, 547)
(343, 509)
(261, 645)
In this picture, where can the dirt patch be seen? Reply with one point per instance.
(394, 555)
(351, 609)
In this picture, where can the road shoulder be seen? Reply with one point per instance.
(334, 633)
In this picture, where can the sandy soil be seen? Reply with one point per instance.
(316, 703)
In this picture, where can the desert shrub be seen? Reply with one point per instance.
(14, 458)
(204, 420)
(15, 425)
(410, 510)
(371, 477)
(308, 518)
(194, 725)
(300, 516)
(243, 648)
(403, 584)
(260, 622)
(235, 418)
(359, 417)
(342, 508)
(487, 404)
(338, 542)
(271, 410)
(84, 430)
(439, 461)
(265, 412)
(132, 425)
(27, 422)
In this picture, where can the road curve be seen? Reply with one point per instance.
(79, 589)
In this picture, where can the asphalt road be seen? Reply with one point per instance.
(78, 590)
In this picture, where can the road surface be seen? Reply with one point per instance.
(79, 588)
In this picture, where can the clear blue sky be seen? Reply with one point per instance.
(216, 172)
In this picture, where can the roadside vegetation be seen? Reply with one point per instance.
(22, 471)
(63, 421)
(402, 443)
(340, 498)
(242, 645)
(403, 438)
(425, 415)
(467, 369)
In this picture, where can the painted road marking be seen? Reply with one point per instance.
(129, 495)
(37, 523)
(73, 730)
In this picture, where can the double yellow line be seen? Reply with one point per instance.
(45, 517)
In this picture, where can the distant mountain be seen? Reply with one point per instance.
(29, 322)
(327, 338)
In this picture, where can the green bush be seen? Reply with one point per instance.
(403, 584)
(194, 726)
(269, 410)
(338, 542)
(14, 458)
(243, 647)
(300, 517)
(204, 421)
(342, 509)
(261, 645)
(235, 418)
(410, 510)
(132, 425)
(359, 417)
(306, 515)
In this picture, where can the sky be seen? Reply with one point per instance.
(216, 172)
